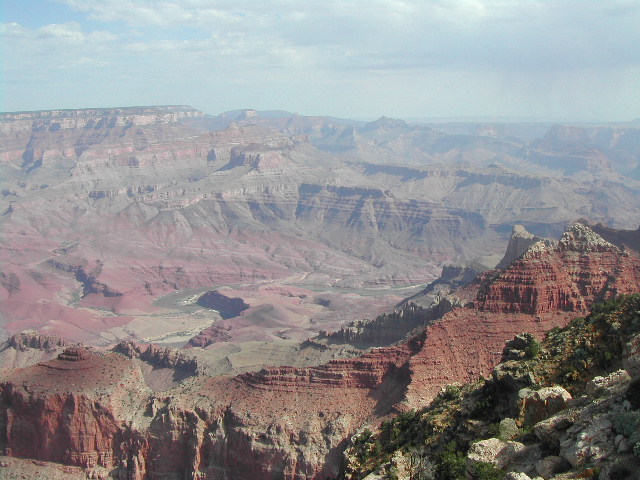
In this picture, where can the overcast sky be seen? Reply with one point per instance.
(551, 59)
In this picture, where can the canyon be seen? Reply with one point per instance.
(119, 413)
(115, 221)
(234, 296)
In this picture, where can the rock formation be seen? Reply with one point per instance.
(568, 276)
(28, 348)
(519, 243)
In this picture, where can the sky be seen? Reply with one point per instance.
(521, 59)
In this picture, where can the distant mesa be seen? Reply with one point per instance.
(94, 118)
(29, 340)
(385, 123)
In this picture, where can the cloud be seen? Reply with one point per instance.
(372, 45)
(388, 34)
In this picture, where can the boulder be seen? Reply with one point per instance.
(614, 379)
(538, 405)
(588, 444)
(517, 476)
(506, 455)
(551, 465)
(552, 431)
(513, 376)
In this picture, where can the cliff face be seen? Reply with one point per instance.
(98, 412)
(567, 277)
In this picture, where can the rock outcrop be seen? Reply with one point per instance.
(37, 341)
(568, 276)
(28, 348)
(158, 356)
(519, 243)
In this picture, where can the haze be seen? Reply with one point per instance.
(558, 60)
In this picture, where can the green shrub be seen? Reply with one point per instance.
(533, 348)
(486, 471)
(628, 424)
(450, 392)
(633, 393)
(450, 463)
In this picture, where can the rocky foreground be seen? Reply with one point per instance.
(147, 412)
(565, 408)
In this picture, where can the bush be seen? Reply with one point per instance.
(486, 471)
(628, 424)
(450, 463)
(633, 393)
(450, 392)
(532, 349)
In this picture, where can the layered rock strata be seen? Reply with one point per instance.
(568, 276)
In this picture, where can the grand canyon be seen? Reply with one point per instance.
(236, 296)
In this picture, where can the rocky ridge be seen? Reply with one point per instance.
(27, 348)
(553, 277)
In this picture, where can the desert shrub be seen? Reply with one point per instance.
(486, 471)
(533, 348)
(450, 463)
(633, 393)
(405, 431)
(628, 424)
(450, 392)
(485, 401)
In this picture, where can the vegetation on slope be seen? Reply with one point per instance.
(433, 441)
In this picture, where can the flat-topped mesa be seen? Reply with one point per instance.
(95, 118)
(567, 276)
(25, 340)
